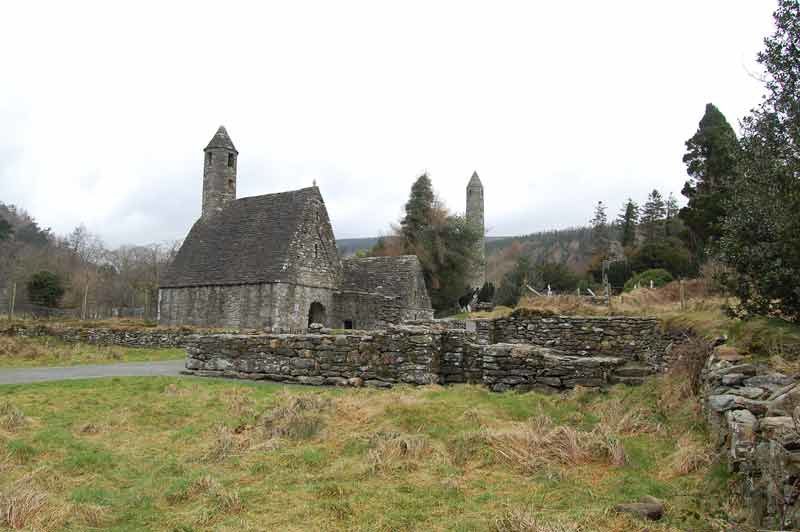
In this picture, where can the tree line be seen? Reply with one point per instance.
(75, 271)
(741, 220)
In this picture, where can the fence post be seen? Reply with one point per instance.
(683, 295)
(13, 300)
(85, 300)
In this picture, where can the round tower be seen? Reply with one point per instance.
(475, 217)
(219, 173)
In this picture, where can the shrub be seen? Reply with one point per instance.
(659, 276)
(669, 254)
(45, 288)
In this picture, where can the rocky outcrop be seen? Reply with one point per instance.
(752, 414)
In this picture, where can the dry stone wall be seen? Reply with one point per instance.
(379, 358)
(753, 414)
(634, 338)
(528, 367)
(403, 354)
(158, 338)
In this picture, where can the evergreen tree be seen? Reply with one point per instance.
(600, 233)
(45, 289)
(6, 230)
(761, 233)
(654, 213)
(512, 285)
(711, 161)
(419, 211)
(445, 245)
(671, 223)
(627, 220)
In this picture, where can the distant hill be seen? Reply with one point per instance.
(349, 246)
(572, 246)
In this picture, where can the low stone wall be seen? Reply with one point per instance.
(382, 358)
(402, 354)
(527, 367)
(753, 416)
(154, 338)
(634, 338)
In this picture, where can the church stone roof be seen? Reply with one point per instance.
(221, 139)
(389, 276)
(247, 242)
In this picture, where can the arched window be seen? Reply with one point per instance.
(231, 160)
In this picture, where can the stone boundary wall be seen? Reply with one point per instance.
(639, 339)
(402, 354)
(153, 338)
(754, 418)
(381, 358)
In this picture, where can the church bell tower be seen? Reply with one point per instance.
(219, 173)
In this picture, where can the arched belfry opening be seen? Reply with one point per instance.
(316, 313)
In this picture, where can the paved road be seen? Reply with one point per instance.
(168, 368)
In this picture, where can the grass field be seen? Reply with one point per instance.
(191, 454)
(18, 352)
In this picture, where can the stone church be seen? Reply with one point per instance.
(270, 262)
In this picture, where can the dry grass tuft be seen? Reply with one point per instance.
(539, 443)
(93, 515)
(224, 445)
(19, 508)
(295, 417)
(392, 451)
(89, 428)
(689, 456)
(11, 417)
(226, 501)
(522, 520)
(240, 401)
(204, 484)
(622, 418)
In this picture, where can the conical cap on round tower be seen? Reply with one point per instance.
(475, 181)
(221, 139)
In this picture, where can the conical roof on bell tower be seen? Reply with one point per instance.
(475, 181)
(221, 139)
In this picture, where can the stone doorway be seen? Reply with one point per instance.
(316, 313)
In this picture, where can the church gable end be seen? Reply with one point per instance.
(313, 255)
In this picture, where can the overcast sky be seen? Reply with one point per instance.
(105, 108)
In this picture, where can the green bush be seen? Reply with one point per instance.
(659, 276)
(669, 254)
(45, 288)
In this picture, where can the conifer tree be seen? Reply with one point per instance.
(419, 212)
(627, 220)
(761, 232)
(711, 161)
(5, 229)
(672, 211)
(654, 213)
(600, 233)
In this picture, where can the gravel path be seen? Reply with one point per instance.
(168, 368)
